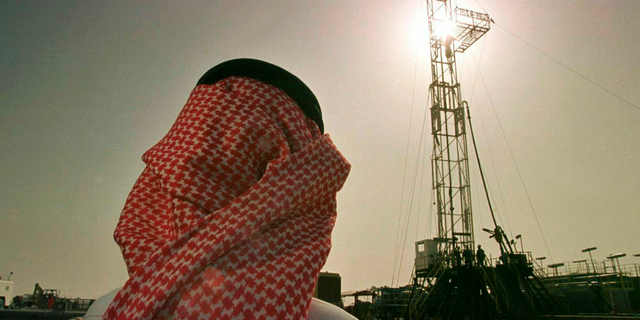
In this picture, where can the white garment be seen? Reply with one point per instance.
(99, 306)
(319, 310)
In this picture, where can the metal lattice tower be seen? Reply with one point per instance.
(444, 287)
(451, 31)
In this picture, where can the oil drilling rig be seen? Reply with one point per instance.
(451, 280)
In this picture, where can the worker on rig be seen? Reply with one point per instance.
(480, 256)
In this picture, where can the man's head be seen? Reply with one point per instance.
(272, 75)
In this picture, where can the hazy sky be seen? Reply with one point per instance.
(88, 86)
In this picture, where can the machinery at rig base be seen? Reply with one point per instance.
(48, 299)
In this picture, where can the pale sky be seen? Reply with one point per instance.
(88, 86)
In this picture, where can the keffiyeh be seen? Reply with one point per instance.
(232, 216)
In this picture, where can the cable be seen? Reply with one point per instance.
(505, 137)
(495, 172)
(475, 79)
(481, 7)
(473, 89)
(404, 175)
(406, 162)
(516, 166)
(568, 68)
(484, 183)
(422, 134)
(560, 63)
(421, 175)
(493, 164)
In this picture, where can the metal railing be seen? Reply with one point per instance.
(602, 273)
(601, 267)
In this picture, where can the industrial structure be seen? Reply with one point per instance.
(451, 279)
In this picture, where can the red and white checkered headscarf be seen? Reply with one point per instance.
(232, 217)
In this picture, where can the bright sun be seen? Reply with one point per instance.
(445, 28)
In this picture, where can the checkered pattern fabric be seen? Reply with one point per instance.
(232, 217)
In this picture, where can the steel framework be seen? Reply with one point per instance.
(451, 31)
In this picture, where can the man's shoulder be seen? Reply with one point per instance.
(320, 310)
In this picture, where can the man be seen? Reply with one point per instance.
(458, 256)
(480, 256)
(467, 254)
(232, 217)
